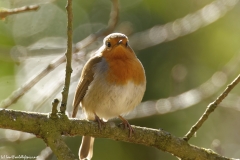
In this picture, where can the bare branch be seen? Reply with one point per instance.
(59, 147)
(17, 94)
(7, 12)
(41, 125)
(211, 107)
(68, 57)
(54, 107)
(13, 98)
(190, 97)
(46, 154)
(182, 26)
(55, 89)
(54, 139)
(111, 26)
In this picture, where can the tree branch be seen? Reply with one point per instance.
(46, 154)
(68, 57)
(211, 107)
(17, 94)
(41, 125)
(54, 108)
(112, 22)
(181, 101)
(6, 12)
(58, 146)
(182, 26)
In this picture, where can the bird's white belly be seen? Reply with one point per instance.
(108, 100)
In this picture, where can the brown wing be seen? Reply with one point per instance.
(85, 80)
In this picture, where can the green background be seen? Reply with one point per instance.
(201, 53)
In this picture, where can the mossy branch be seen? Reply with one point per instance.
(58, 146)
(50, 129)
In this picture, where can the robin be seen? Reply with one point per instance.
(112, 84)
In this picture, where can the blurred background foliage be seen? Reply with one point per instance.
(30, 41)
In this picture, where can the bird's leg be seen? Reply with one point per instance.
(99, 121)
(127, 125)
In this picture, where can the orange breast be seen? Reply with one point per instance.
(123, 66)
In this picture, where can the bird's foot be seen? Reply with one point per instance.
(127, 125)
(99, 121)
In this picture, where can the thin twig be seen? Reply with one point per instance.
(113, 20)
(211, 107)
(54, 108)
(46, 154)
(14, 97)
(182, 26)
(55, 89)
(17, 94)
(68, 57)
(197, 94)
(6, 12)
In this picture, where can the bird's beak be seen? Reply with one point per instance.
(119, 47)
(120, 41)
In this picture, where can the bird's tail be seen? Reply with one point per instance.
(86, 148)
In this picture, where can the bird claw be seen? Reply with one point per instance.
(127, 125)
(99, 121)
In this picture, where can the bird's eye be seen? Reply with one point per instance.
(108, 44)
(126, 44)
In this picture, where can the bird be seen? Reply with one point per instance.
(112, 83)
